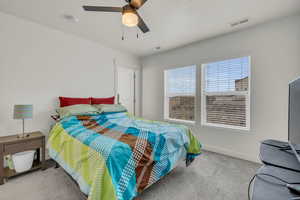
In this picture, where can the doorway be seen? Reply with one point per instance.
(126, 88)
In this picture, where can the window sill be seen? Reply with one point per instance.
(180, 121)
(225, 127)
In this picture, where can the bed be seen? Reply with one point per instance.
(116, 156)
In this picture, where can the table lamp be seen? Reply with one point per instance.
(23, 112)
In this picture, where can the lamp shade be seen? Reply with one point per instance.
(130, 19)
(23, 111)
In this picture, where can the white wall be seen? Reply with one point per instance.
(38, 64)
(275, 51)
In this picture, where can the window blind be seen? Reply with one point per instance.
(225, 95)
(228, 75)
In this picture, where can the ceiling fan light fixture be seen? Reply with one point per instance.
(130, 16)
(130, 19)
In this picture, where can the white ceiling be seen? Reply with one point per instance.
(173, 23)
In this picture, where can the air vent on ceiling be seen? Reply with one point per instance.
(240, 22)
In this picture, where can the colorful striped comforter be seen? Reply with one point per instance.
(117, 156)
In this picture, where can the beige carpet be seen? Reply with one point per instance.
(210, 177)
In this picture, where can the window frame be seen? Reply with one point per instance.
(167, 96)
(247, 94)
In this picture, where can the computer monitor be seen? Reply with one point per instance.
(294, 112)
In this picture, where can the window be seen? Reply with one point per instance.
(180, 89)
(225, 92)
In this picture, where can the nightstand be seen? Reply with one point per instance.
(12, 144)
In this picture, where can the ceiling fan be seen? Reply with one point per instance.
(130, 16)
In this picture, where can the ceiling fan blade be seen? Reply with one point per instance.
(137, 3)
(142, 25)
(102, 9)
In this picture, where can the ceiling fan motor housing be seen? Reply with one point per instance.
(128, 8)
(136, 4)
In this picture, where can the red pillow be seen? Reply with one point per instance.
(68, 101)
(110, 100)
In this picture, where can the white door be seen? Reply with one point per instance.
(126, 88)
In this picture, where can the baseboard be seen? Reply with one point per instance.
(231, 153)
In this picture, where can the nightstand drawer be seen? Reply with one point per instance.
(22, 146)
